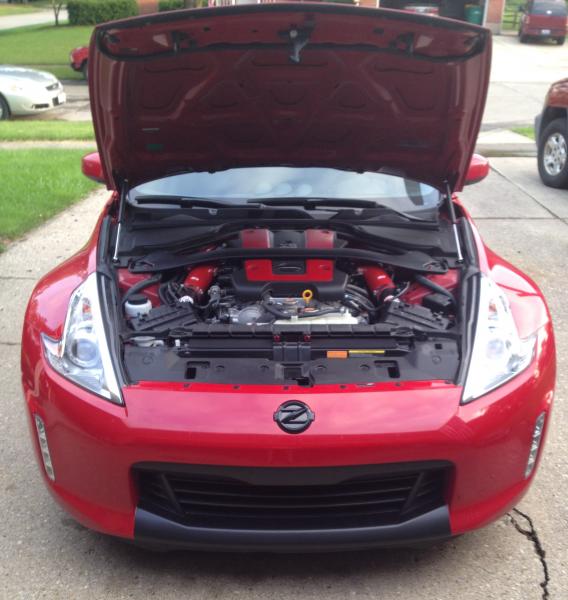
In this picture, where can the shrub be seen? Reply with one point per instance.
(91, 12)
(164, 5)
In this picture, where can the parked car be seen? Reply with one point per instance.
(79, 59)
(551, 134)
(27, 91)
(285, 332)
(543, 19)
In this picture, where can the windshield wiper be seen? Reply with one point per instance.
(253, 203)
(186, 202)
(313, 202)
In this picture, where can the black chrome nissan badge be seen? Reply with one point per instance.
(294, 416)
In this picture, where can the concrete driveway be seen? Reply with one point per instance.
(45, 554)
(520, 77)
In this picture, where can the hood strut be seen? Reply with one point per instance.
(121, 211)
(452, 212)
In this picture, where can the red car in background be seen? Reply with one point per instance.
(543, 19)
(79, 59)
(285, 332)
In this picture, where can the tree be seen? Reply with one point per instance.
(57, 5)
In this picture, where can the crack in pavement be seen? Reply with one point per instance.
(10, 343)
(532, 535)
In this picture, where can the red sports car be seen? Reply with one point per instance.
(285, 332)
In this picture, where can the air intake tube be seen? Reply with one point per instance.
(378, 282)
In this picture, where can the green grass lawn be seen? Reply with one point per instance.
(527, 131)
(11, 131)
(44, 47)
(52, 181)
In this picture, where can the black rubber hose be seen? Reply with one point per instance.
(275, 311)
(140, 286)
(356, 289)
(361, 300)
(436, 288)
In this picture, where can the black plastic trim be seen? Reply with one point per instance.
(156, 531)
(413, 260)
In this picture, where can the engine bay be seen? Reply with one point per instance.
(288, 320)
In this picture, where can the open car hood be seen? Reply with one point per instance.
(288, 84)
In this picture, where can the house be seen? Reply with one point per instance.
(491, 10)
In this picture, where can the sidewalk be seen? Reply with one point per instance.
(503, 142)
(32, 256)
(35, 18)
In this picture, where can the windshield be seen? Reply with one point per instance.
(238, 185)
(557, 9)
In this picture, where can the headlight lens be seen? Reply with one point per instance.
(82, 353)
(499, 354)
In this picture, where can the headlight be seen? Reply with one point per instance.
(499, 354)
(82, 353)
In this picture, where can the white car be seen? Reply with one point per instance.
(27, 91)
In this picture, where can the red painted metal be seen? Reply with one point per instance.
(126, 280)
(320, 238)
(416, 292)
(535, 20)
(78, 57)
(261, 269)
(487, 441)
(91, 167)
(478, 169)
(345, 107)
(378, 280)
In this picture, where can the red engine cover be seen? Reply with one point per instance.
(262, 269)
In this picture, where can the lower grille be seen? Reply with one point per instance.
(291, 498)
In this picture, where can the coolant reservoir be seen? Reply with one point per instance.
(137, 306)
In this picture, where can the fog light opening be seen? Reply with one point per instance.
(535, 444)
(44, 448)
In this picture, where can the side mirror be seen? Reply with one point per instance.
(92, 168)
(478, 169)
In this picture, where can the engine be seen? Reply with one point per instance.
(266, 316)
(266, 291)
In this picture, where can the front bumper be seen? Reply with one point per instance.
(155, 531)
(35, 102)
(95, 444)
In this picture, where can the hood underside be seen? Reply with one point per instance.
(288, 84)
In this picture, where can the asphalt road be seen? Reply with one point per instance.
(45, 554)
